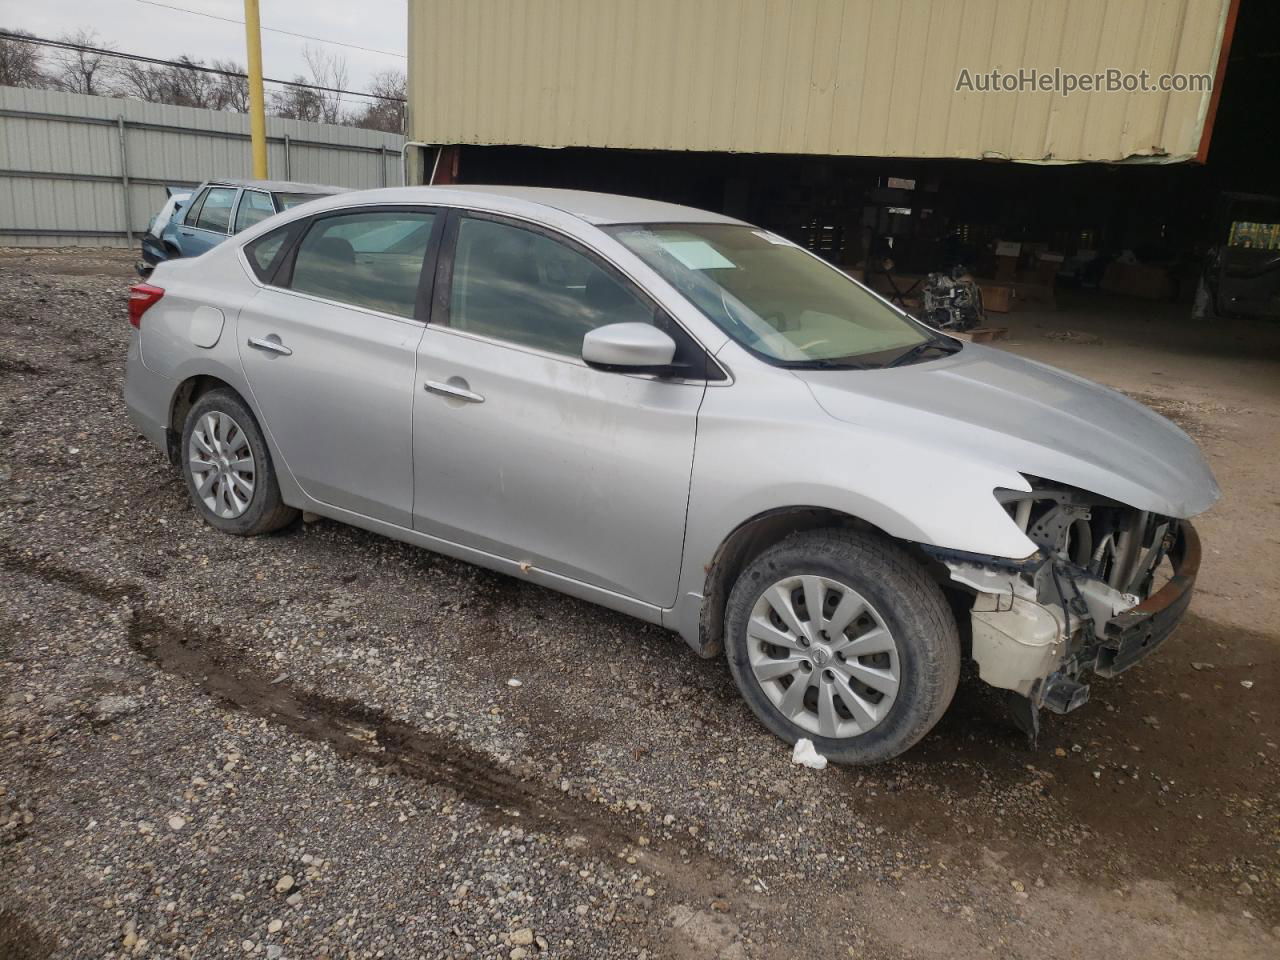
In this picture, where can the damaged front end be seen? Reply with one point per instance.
(1097, 596)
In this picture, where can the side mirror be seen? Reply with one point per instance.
(629, 348)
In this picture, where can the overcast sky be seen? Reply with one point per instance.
(132, 26)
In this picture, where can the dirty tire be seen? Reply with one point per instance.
(266, 511)
(912, 607)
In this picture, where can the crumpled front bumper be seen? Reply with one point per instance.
(1041, 649)
(1138, 631)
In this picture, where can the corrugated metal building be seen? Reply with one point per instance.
(92, 170)
(870, 78)
(860, 127)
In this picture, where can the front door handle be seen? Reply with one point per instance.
(458, 390)
(271, 344)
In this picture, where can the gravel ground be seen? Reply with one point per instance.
(310, 745)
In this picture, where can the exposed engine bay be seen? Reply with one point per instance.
(952, 301)
(1096, 596)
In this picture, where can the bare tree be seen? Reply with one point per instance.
(83, 71)
(307, 103)
(186, 83)
(327, 70)
(177, 85)
(232, 93)
(20, 64)
(384, 114)
(296, 103)
(187, 87)
(141, 82)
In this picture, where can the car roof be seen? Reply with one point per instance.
(277, 186)
(602, 208)
(594, 208)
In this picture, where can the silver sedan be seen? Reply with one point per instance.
(686, 418)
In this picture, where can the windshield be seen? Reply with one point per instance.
(287, 201)
(772, 297)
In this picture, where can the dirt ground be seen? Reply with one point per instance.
(307, 745)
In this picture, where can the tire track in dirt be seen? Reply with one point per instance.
(505, 796)
(354, 730)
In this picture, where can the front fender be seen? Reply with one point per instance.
(762, 450)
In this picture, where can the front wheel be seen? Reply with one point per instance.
(841, 637)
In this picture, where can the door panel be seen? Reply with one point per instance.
(576, 471)
(332, 359)
(339, 404)
(520, 448)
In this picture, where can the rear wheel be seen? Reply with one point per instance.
(840, 636)
(228, 468)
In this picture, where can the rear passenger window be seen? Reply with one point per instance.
(215, 213)
(524, 287)
(368, 260)
(255, 207)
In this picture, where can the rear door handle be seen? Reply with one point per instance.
(458, 391)
(271, 345)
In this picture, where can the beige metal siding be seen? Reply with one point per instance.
(851, 77)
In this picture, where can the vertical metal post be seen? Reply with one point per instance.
(257, 102)
(288, 160)
(124, 177)
(382, 163)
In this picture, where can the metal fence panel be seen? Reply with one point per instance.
(63, 170)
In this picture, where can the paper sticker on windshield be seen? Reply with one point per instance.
(697, 254)
(773, 238)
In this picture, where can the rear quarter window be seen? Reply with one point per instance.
(266, 253)
(255, 206)
(287, 201)
(193, 211)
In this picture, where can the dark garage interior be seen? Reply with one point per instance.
(1167, 221)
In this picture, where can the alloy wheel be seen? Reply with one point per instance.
(222, 465)
(823, 656)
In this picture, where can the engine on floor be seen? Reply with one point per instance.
(952, 301)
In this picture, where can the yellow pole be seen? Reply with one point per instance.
(257, 104)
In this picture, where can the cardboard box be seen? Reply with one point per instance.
(1147, 281)
(1006, 269)
(1047, 267)
(996, 298)
(1008, 252)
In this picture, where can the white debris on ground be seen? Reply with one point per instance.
(806, 756)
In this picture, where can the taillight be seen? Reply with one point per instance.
(142, 297)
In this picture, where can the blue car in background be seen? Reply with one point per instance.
(191, 223)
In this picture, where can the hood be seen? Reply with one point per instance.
(988, 405)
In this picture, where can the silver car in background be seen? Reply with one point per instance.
(686, 418)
